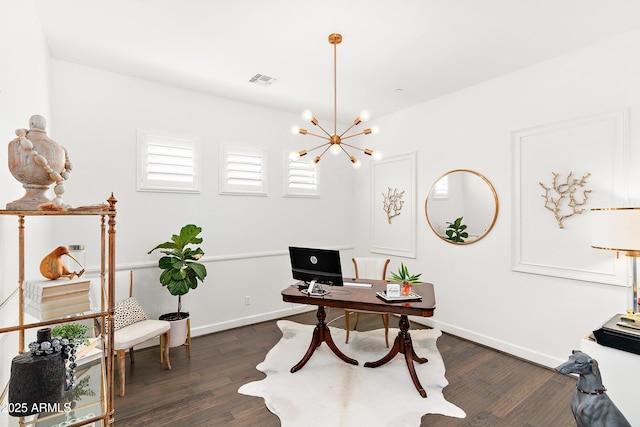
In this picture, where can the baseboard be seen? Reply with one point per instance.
(491, 342)
(250, 320)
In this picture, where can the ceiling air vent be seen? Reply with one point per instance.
(262, 80)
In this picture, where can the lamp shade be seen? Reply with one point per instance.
(616, 229)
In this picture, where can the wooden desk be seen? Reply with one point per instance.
(359, 298)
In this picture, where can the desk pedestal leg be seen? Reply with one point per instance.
(404, 345)
(321, 334)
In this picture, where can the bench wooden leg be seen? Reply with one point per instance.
(165, 350)
(121, 368)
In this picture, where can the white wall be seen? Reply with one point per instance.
(24, 91)
(478, 295)
(96, 114)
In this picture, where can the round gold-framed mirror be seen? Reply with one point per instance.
(461, 207)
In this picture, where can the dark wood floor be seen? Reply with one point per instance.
(493, 389)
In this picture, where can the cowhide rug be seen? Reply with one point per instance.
(330, 392)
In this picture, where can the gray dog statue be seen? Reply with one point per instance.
(590, 404)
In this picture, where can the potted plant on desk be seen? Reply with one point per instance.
(180, 273)
(407, 280)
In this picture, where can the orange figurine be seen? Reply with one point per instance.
(53, 268)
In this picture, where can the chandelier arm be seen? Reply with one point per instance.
(345, 151)
(348, 129)
(321, 145)
(317, 136)
(325, 150)
(351, 136)
(323, 129)
(317, 159)
(351, 146)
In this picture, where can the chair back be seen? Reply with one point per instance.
(370, 267)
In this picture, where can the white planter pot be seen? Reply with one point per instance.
(179, 328)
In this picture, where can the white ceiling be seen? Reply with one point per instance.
(395, 53)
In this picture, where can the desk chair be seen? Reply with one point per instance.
(369, 268)
(132, 327)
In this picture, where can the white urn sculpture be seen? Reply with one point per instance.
(37, 162)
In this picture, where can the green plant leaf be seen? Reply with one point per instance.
(189, 234)
(165, 277)
(165, 245)
(178, 274)
(178, 287)
(199, 270)
(165, 262)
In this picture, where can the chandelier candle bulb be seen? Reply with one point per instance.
(307, 115)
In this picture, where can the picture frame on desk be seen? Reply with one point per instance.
(397, 235)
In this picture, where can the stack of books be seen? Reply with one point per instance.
(53, 299)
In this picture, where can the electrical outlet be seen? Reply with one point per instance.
(247, 300)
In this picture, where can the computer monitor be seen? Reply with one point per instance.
(321, 265)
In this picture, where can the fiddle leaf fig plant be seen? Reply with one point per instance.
(403, 276)
(181, 269)
(455, 231)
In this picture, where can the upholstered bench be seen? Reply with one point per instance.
(132, 327)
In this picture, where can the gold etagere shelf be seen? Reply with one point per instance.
(98, 410)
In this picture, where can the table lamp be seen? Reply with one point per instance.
(618, 229)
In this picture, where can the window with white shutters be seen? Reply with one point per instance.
(301, 179)
(242, 171)
(168, 163)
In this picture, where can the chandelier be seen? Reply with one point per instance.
(334, 142)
